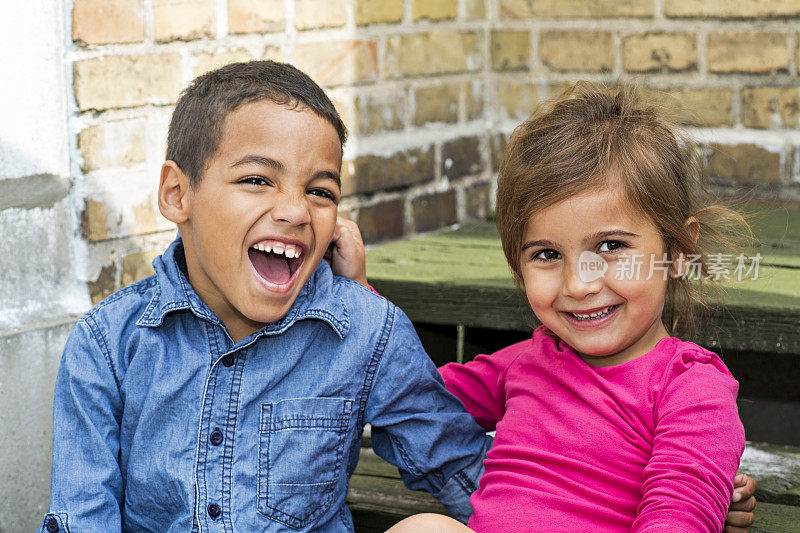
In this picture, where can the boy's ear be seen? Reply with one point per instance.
(173, 193)
(679, 268)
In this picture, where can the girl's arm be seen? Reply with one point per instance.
(480, 385)
(697, 445)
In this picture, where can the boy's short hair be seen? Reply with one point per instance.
(195, 130)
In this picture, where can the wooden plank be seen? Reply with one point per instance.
(777, 470)
(774, 518)
(461, 277)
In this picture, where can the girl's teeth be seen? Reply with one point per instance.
(289, 253)
(593, 315)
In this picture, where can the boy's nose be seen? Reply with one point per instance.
(291, 209)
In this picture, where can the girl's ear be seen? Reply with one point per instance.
(173, 193)
(693, 225)
(680, 263)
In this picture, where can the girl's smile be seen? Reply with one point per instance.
(613, 318)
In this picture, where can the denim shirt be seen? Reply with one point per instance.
(162, 423)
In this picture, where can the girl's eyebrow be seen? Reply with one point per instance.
(540, 242)
(608, 233)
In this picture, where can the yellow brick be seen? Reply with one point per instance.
(255, 16)
(747, 52)
(310, 14)
(378, 11)
(511, 50)
(436, 104)
(107, 21)
(434, 9)
(380, 111)
(434, 53)
(115, 144)
(104, 284)
(207, 61)
(338, 63)
(102, 220)
(475, 9)
(659, 51)
(182, 19)
(591, 51)
(771, 107)
(696, 107)
(745, 163)
(137, 265)
(731, 8)
(127, 81)
(576, 8)
(517, 101)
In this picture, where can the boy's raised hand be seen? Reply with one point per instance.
(346, 252)
(740, 513)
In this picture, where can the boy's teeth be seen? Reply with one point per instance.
(289, 250)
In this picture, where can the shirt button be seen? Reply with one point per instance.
(228, 360)
(52, 525)
(213, 510)
(216, 437)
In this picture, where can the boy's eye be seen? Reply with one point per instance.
(546, 255)
(610, 246)
(253, 180)
(324, 193)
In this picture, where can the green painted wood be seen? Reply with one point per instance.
(777, 470)
(774, 518)
(461, 277)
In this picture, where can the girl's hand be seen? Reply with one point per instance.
(346, 252)
(740, 513)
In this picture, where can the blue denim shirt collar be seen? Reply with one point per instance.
(316, 299)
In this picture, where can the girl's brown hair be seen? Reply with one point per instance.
(591, 138)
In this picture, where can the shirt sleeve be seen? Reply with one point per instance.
(86, 488)
(480, 385)
(697, 444)
(421, 428)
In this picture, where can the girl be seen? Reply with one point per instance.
(603, 420)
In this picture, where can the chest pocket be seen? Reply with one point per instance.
(301, 449)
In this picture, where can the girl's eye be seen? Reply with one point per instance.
(546, 255)
(254, 180)
(610, 246)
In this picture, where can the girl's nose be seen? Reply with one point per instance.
(575, 286)
(291, 209)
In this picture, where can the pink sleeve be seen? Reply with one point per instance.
(697, 445)
(479, 385)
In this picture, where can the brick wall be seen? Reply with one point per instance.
(430, 90)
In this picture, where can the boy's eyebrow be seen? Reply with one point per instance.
(252, 159)
(263, 161)
(327, 174)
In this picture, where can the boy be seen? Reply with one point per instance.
(228, 392)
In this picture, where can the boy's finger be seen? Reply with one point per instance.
(745, 505)
(739, 519)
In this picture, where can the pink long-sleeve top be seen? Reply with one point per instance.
(649, 445)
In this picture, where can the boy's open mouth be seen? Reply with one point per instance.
(276, 262)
